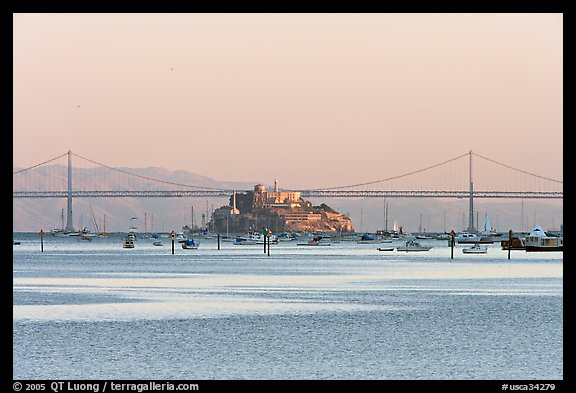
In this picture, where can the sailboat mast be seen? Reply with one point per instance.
(386, 223)
(471, 199)
(69, 225)
(420, 227)
(94, 220)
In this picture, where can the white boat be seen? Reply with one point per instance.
(538, 240)
(157, 241)
(242, 241)
(475, 249)
(413, 245)
(467, 238)
(442, 236)
(285, 237)
(128, 242)
(488, 234)
(190, 244)
(385, 248)
(260, 238)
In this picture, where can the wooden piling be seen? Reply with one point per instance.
(452, 234)
(509, 242)
(172, 236)
(41, 240)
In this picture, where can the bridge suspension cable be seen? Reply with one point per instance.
(146, 177)
(390, 178)
(519, 170)
(37, 165)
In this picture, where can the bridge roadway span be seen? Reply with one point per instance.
(304, 194)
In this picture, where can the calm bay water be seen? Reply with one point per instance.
(93, 310)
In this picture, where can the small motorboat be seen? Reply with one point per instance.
(242, 241)
(475, 249)
(190, 244)
(385, 248)
(128, 242)
(467, 238)
(367, 239)
(413, 245)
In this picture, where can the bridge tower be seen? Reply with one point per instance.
(69, 222)
(471, 206)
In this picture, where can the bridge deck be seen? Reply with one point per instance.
(304, 194)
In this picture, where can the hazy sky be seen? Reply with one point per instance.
(310, 99)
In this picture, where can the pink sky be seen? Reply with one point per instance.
(311, 99)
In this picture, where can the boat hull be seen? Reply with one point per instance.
(467, 251)
(544, 248)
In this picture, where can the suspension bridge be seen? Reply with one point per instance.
(459, 177)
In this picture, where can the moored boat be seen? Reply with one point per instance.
(467, 238)
(190, 244)
(538, 240)
(413, 245)
(516, 244)
(128, 242)
(367, 238)
(242, 241)
(260, 238)
(475, 249)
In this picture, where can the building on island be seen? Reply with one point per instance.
(278, 211)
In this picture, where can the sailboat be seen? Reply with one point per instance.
(104, 233)
(59, 231)
(488, 234)
(396, 230)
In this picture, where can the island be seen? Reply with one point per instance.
(277, 211)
